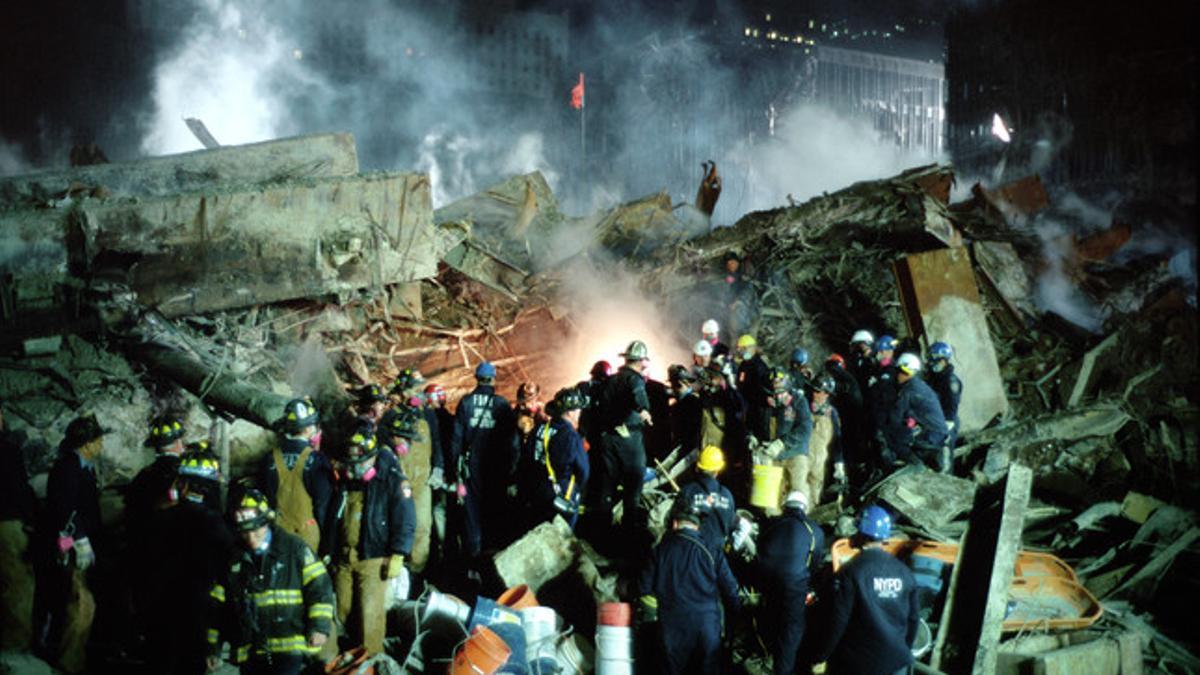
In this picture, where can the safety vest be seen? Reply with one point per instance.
(293, 502)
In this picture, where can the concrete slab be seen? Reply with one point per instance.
(941, 302)
(542, 554)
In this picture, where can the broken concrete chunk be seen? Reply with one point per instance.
(542, 554)
(1138, 507)
(929, 499)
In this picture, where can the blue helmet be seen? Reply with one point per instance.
(885, 343)
(940, 350)
(485, 370)
(800, 356)
(876, 523)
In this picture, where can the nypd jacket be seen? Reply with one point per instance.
(483, 425)
(715, 501)
(948, 388)
(388, 519)
(270, 603)
(917, 401)
(873, 615)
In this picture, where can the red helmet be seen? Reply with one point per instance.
(836, 358)
(435, 392)
(601, 369)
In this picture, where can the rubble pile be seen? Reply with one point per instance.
(218, 284)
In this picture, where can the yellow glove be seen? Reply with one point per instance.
(395, 566)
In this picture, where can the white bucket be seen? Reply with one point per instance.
(539, 623)
(571, 657)
(614, 650)
(445, 606)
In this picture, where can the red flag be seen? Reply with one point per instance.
(577, 94)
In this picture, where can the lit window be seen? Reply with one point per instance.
(799, 40)
(810, 23)
(747, 33)
(771, 35)
(755, 31)
(768, 18)
(835, 33)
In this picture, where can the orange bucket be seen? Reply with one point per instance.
(614, 614)
(518, 597)
(482, 654)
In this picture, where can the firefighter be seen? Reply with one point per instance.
(590, 424)
(68, 536)
(737, 296)
(275, 603)
(371, 534)
(710, 333)
(790, 551)
(192, 548)
(753, 375)
(848, 401)
(17, 507)
(410, 438)
(789, 431)
(941, 378)
(881, 398)
(713, 500)
(801, 373)
(682, 587)
(916, 426)
(554, 466)
(148, 490)
(862, 362)
(296, 478)
(528, 410)
(685, 409)
(435, 400)
(408, 387)
(370, 403)
(480, 458)
(722, 413)
(625, 410)
(872, 607)
(825, 444)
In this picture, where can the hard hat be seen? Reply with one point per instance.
(825, 383)
(862, 336)
(528, 391)
(370, 393)
(164, 430)
(252, 511)
(780, 379)
(885, 343)
(402, 422)
(710, 327)
(83, 430)
(685, 510)
(876, 523)
(485, 371)
(298, 414)
(703, 349)
(712, 459)
(800, 356)
(836, 358)
(796, 499)
(909, 364)
(407, 379)
(199, 463)
(601, 369)
(940, 350)
(636, 351)
(746, 341)
(568, 399)
(360, 445)
(678, 373)
(435, 392)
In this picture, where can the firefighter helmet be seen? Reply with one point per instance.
(636, 351)
(825, 383)
(370, 393)
(836, 358)
(909, 364)
(677, 374)
(164, 430)
(252, 511)
(402, 423)
(686, 511)
(601, 370)
(407, 379)
(199, 463)
(298, 414)
(435, 392)
(779, 380)
(528, 391)
(568, 399)
(360, 445)
(712, 460)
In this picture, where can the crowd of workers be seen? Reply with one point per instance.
(298, 562)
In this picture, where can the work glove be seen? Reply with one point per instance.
(839, 472)
(85, 556)
(395, 565)
(949, 425)
(317, 640)
(622, 431)
(437, 479)
(774, 448)
(752, 442)
(646, 419)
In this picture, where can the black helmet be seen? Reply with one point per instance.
(403, 422)
(825, 383)
(360, 445)
(684, 510)
(407, 379)
(780, 380)
(679, 373)
(251, 511)
(164, 430)
(199, 463)
(568, 399)
(370, 393)
(298, 414)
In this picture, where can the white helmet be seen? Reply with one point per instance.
(702, 349)
(863, 336)
(909, 364)
(798, 498)
(710, 327)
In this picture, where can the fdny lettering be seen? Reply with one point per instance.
(888, 588)
(481, 412)
(711, 501)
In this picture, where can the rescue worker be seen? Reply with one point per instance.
(408, 387)
(65, 607)
(411, 440)
(881, 398)
(753, 378)
(480, 458)
(790, 551)
(528, 410)
(941, 378)
(862, 362)
(916, 426)
(801, 372)
(590, 424)
(848, 401)
(788, 433)
(370, 403)
(554, 467)
(710, 333)
(713, 500)
(371, 534)
(825, 444)
(435, 400)
(872, 607)
(192, 549)
(296, 478)
(148, 491)
(722, 413)
(625, 410)
(17, 510)
(275, 605)
(701, 355)
(685, 410)
(682, 587)
(737, 296)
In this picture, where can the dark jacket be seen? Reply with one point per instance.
(791, 550)
(72, 495)
(567, 458)
(793, 425)
(16, 496)
(591, 425)
(754, 385)
(437, 454)
(483, 430)
(881, 395)
(686, 580)
(848, 397)
(685, 422)
(271, 603)
(873, 615)
(862, 368)
(389, 518)
(948, 388)
(917, 401)
(716, 502)
(733, 406)
(623, 398)
(445, 431)
(318, 476)
(148, 490)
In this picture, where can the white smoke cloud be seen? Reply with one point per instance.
(12, 161)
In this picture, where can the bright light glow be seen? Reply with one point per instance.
(999, 130)
(768, 18)
(747, 31)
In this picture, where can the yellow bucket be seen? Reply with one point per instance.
(764, 492)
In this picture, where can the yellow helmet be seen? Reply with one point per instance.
(711, 459)
(746, 341)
